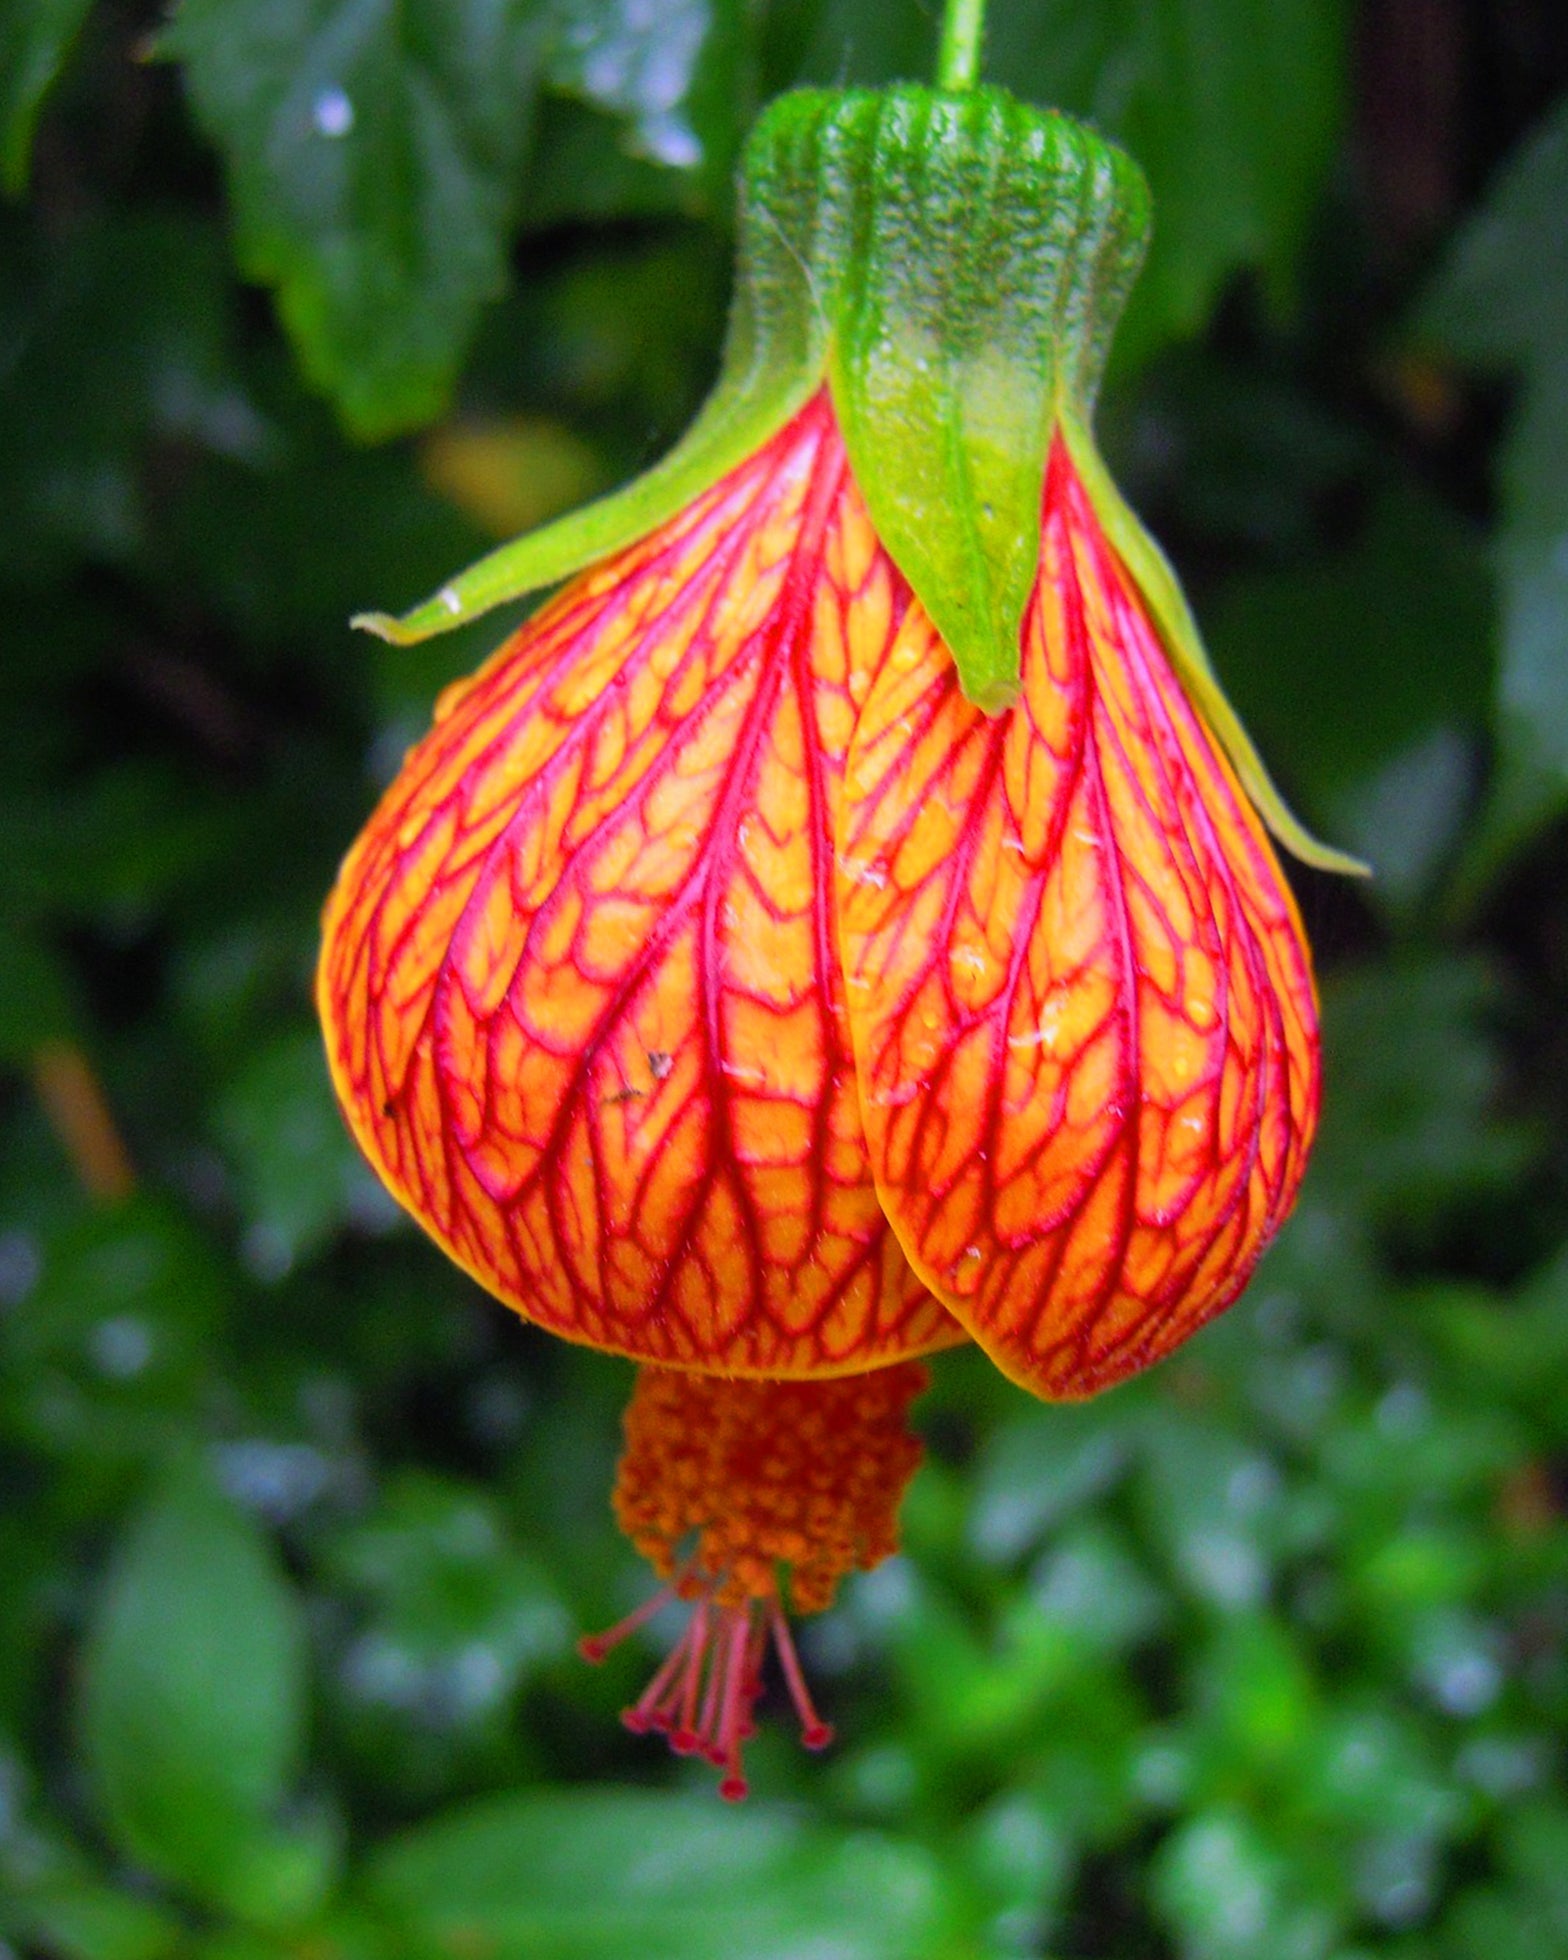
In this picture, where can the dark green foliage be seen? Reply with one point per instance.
(1259, 1658)
(1501, 302)
(192, 1721)
(35, 38)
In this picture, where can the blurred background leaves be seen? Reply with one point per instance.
(1261, 1658)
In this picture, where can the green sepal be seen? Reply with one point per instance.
(775, 358)
(953, 265)
(993, 253)
(1161, 591)
(724, 434)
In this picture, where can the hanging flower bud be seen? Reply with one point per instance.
(841, 923)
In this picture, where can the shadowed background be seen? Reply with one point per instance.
(302, 304)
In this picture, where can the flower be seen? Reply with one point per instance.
(721, 986)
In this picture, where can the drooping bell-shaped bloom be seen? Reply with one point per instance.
(789, 955)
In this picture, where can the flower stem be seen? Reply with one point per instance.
(958, 57)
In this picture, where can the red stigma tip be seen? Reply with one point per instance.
(705, 1692)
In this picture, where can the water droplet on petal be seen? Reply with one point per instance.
(964, 1273)
(864, 871)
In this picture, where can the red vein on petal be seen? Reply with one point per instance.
(1090, 1107)
(620, 825)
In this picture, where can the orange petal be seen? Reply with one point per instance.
(1078, 989)
(580, 977)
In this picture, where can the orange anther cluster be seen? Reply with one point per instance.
(804, 1474)
(721, 1484)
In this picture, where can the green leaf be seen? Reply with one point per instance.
(335, 1936)
(1215, 1507)
(458, 1618)
(36, 37)
(1501, 303)
(283, 542)
(373, 155)
(1227, 1891)
(81, 1918)
(1232, 108)
(36, 996)
(1020, 1854)
(582, 173)
(35, 1566)
(646, 110)
(1090, 1585)
(623, 336)
(1516, 1345)
(54, 1901)
(977, 1693)
(1043, 1466)
(115, 332)
(193, 1706)
(1370, 1770)
(1480, 305)
(1244, 447)
(111, 1353)
(117, 842)
(855, 43)
(1331, 665)
(1504, 1922)
(298, 1174)
(1412, 1076)
(1256, 1703)
(1535, 1848)
(671, 74)
(595, 1875)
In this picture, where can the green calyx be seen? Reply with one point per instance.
(952, 266)
(988, 249)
